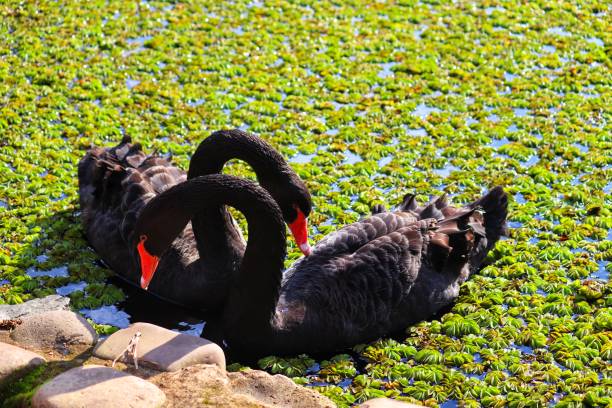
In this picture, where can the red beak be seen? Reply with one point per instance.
(299, 229)
(148, 263)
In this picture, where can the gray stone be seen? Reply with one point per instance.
(96, 386)
(208, 386)
(59, 327)
(46, 304)
(161, 349)
(388, 403)
(15, 360)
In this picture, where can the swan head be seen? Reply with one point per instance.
(294, 201)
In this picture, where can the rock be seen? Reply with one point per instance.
(15, 360)
(275, 390)
(59, 327)
(209, 386)
(96, 386)
(388, 403)
(46, 304)
(161, 349)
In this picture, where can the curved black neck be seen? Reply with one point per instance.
(218, 239)
(254, 295)
(224, 145)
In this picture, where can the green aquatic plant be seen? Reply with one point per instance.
(368, 102)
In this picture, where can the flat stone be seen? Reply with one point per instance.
(208, 386)
(34, 306)
(96, 386)
(387, 403)
(161, 349)
(58, 327)
(15, 360)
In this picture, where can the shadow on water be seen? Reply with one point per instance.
(141, 306)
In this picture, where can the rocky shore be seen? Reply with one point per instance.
(52, 357)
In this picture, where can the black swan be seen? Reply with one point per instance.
(368, 279)
(116, 183)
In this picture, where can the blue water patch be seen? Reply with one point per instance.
(512, 128)
(549, 49)
(493, 118)
(581, 147)
(508, 77)
(71, 287)
(515, 224)
(108, 315)
(4, 282)
(195, 103)
(490, 10)
(420, 132)
(560, 31)
(138, 40)
(520, 112)
(597, 41)
(423, 111)
(302, 158)
(345, 383)
(131, 83)
(419, 32)
(3, 204)
(446, 171)
(601, 272)
(333, 132)
(351, 158)
(384, 161)
(533, 159)
(518, 197)
(238, 30)
(499, 142)
(452, 403)
(57, 272)
(386, 71)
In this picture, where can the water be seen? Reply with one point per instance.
(559, 31)
(446, 171)
(384, 161)
(601, 273)
(57, 272)
(3, 204)
(493, 118)
(533, 159)
(351, 158)
(420, 132)
(597, 41)
(508, 77)
(71, 287)
(549, 49)
(195, 103)
(138, 40)
(490, 10)
(512, 128)
(423, 111)
(520, 112)
(131, 83)
(108, 315)
(385, 71)
(302, 158)
(497, 143)
(333, 132)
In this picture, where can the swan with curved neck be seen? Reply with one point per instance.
(116, 184)
(366, 280)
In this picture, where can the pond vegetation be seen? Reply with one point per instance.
(369, 102)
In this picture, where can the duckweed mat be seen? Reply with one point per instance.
(369, 102)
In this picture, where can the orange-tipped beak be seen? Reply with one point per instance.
(299, 229)
(148, 264)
